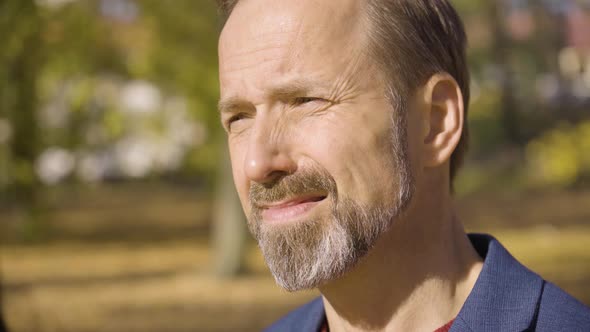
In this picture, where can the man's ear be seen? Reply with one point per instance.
(443, 119)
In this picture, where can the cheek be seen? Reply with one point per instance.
(355, 149)
(239, 177)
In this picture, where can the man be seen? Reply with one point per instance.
(346, 123)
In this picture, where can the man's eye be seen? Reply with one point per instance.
(234, 119)
(305, 100)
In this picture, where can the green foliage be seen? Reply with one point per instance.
(485, 122)
(71, 50)
(560, 157)
(20, 60)
(183, 50)
(113, 122)
(468, 7)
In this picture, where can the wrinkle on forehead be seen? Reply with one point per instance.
(266, 43)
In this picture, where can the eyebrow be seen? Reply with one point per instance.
(228, 104)
(281, 91)
(292, 88)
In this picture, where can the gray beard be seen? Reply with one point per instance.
(307, 254)
(310, 253)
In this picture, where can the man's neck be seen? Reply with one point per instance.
(416, 278)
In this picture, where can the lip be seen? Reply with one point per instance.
(290, 209)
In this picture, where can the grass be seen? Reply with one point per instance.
(107, 267)
(163, 287)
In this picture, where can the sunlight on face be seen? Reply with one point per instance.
(319, 156)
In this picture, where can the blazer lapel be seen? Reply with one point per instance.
(307, 318)
(506, 294)
(505, 297)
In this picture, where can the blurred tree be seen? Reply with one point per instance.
(21, 59)
(509, 108)
(64, 47)
(229, 225)
(187, 33)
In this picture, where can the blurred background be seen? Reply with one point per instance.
(117, 210)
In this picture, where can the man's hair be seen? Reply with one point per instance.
(413, 40)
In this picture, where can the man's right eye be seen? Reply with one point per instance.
(233, 119)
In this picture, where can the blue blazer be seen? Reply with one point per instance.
(506, 297)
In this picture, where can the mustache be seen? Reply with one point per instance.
(310, 180)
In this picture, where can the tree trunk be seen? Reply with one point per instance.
(18, 93)
(229, 224)
(501, 56)
(24, 143)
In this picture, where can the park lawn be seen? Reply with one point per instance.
(137, 258)
(168, 287)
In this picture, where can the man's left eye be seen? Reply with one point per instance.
(305, 100)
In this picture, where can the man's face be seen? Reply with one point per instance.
(317, 151)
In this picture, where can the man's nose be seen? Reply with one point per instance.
(268, 157)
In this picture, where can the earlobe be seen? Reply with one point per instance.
(444, 118)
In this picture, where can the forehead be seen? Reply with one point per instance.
(289, 37)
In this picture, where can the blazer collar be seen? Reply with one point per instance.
(308, 317)
(506, 294)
